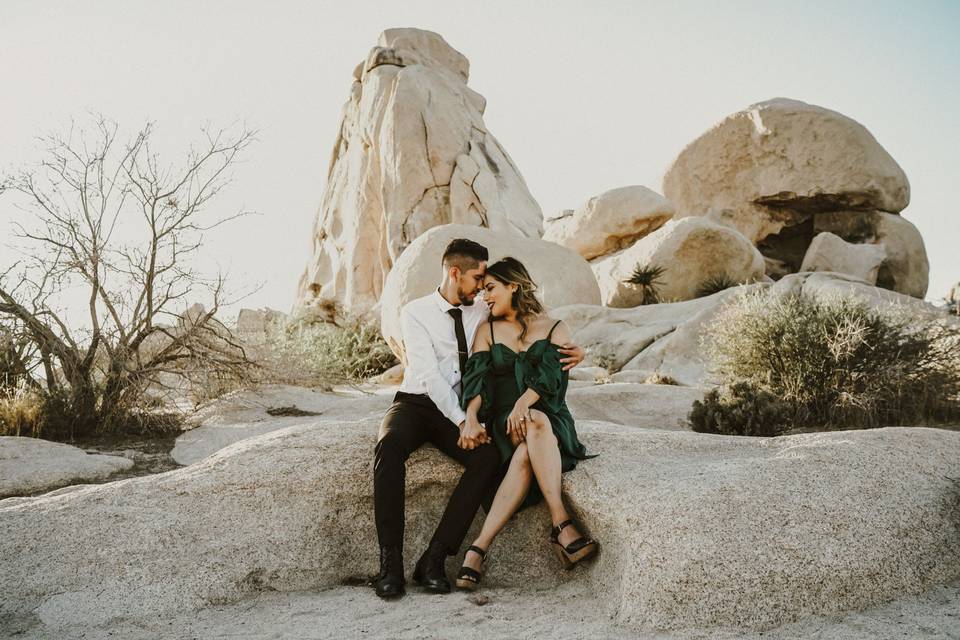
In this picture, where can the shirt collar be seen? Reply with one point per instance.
(442, 302)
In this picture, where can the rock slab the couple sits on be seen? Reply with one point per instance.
(697, 530)
(243, 414)
(563, 277)
(412, 153)
(30, 465)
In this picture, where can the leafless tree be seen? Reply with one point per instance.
(88, 186)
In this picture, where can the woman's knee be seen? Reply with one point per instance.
(539, 424)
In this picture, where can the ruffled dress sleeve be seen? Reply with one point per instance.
(545, 375)
(476, 382)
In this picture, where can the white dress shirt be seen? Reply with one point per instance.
(430, 343)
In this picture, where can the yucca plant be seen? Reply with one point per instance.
(647, 278)
(713, 284)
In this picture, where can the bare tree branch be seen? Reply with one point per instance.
(87, 186)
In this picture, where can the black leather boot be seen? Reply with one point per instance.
(431, 571)
(390, 581)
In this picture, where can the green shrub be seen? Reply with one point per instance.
(326, 354)
(648, 279)
(741, 409)
(838, 362)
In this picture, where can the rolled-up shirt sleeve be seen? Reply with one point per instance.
(423, 364)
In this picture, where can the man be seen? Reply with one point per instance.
(437, 330)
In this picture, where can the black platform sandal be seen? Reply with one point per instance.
(580, 549)
(468, 578)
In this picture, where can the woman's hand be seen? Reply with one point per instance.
(517, 422)
(473, 434)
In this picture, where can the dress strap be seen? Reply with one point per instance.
(553, 327)
(493, 341)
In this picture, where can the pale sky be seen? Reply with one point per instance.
(585, 96)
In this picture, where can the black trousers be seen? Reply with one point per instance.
(411, 421)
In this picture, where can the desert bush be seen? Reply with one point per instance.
(647, 278)
(742, 409)
(325, 354)
(839, 362)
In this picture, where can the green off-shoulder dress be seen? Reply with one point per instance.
(501, 375)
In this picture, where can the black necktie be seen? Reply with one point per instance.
(457, 314)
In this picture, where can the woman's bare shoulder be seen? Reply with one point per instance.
(559, 331)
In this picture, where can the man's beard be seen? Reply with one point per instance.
(464, 300)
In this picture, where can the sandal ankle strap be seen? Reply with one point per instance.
(560, 527)
(481, 552)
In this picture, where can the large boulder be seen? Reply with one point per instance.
(691, 252)
(31, 465)
(905, 269)
(777, 162)
(609, 222)
(412, 153)
(698, 531)
(830, 252)
(563, 277)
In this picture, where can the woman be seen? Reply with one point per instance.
(515, 384)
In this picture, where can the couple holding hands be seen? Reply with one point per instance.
(485, 384)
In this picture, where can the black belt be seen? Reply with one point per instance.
(416, 398)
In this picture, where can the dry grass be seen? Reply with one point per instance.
(21, 414)
(322, 355)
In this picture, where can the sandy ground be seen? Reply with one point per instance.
(355, 612)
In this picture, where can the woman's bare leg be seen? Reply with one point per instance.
(510, 494)
(544, 451)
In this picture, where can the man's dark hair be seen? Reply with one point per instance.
(465, 254)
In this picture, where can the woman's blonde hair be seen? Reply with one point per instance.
(524, 300)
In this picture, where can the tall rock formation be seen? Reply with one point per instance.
(412, 153)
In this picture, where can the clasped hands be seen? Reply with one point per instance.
(472, 433)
